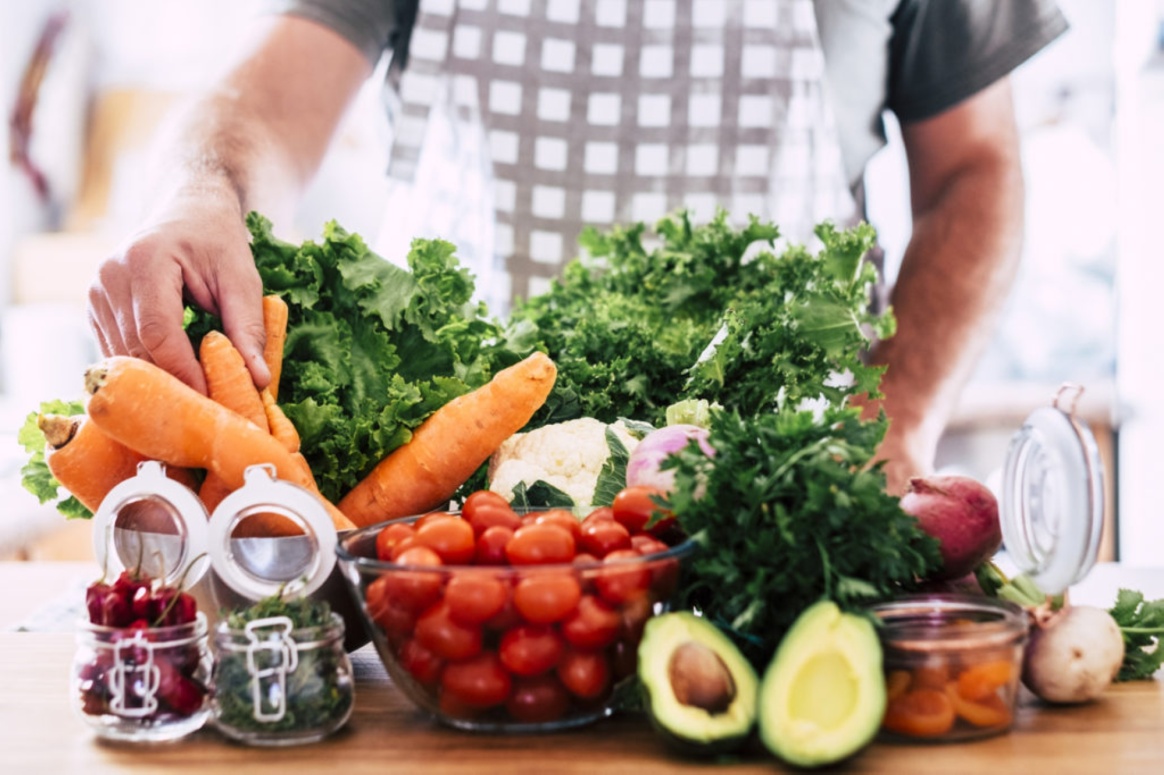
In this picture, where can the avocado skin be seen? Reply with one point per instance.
(686, 729)
(822, 628)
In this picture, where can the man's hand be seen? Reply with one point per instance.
(198, 250)
(252, 142)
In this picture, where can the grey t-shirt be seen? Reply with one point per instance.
(915, 58)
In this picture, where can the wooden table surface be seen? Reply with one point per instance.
(1122, 733)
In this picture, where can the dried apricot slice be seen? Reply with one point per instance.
(982, 680)
(920, 713)
(989, 711)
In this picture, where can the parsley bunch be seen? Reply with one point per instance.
(789, 511)
(1142, 624)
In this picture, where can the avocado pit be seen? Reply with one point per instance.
(700, 679)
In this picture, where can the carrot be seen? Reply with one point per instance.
(87, 462)
(275, 322)
(153, 412)
(227, 380)
(451, 444)
(281, 427)
(84, 460)
(212, 491)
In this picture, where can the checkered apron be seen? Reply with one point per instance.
(518, 122)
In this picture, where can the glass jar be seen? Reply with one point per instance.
(276, 685)
(952, 665)
(146, 684)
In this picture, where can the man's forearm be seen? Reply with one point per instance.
(260, 134)
(955, 276)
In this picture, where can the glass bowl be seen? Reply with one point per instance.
(952, 666)
(510, 648)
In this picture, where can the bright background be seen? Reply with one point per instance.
(1091, 108)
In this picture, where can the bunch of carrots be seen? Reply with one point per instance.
(136, 411)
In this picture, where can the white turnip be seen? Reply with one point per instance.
(962, 514)
(1073, 654)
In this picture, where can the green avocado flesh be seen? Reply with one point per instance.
(823, 695)
(701, 691)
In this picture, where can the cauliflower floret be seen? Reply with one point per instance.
(567, 455)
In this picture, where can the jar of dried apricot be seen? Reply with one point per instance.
(952, 665)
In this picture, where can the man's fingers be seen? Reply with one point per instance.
(239, 299)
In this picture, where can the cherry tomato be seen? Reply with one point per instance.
(395, 620)
(402, 546)
(491, 545)
(604, 536)
(634, 614)
(474, 596)
(626, 579)
(593, 624)
(438, 632)
(586, 558)
(539, 545)
(585, 674)
(538, 699)
(547, 597)
(600, 514)
(562, 518)
(530, 649)
(390, 536)
(414, 589)
(920, 713)
(645, 543)
(451, 538)
(664, 573)
(633, 507)
(433, 516)
(479, 682)
(506, 619)
(484, 509)
(421, 663)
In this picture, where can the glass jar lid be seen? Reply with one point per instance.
(152, 523)
(259, 567)
(1052, 503)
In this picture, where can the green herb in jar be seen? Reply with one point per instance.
(263, 691)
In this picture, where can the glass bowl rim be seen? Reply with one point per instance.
(1010, 625)
(678, 551)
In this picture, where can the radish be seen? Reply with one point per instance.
(962, 514)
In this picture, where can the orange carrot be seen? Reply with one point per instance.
(227, 380)
(275, 321)
(84, 460)
(451, 444)
(87, 462)
(281, 427)
(212, 491)
(153, 412)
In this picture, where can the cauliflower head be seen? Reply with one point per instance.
(567, 455)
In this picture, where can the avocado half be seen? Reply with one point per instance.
(823, 694)
(701, 691)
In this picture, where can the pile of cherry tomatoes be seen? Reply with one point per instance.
(526, 618)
